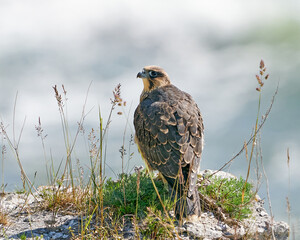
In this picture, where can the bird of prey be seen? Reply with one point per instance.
(169, 134)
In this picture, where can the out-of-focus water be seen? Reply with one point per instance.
(211, 50)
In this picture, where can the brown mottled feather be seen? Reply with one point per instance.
(175, 127)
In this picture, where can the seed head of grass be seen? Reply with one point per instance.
(93, 143)
(58, 97)
(261, 76)
(117, 96)
(40, 130)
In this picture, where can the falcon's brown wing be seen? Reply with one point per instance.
(169, 131)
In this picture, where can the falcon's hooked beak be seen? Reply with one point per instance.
(148, 85)
(141, 75)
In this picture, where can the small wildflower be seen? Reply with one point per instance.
(258, 89)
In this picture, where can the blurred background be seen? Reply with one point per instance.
(209, 49)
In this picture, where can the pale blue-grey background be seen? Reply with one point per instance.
(210, 49)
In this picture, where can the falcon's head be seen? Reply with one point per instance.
(153, 77)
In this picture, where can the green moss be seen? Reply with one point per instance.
(227, 194)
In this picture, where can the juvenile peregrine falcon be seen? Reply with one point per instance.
(169, 134)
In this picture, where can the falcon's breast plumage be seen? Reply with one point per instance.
(169, 133)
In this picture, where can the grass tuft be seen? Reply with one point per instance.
(154, 225)
(227, 194)
(136, 202)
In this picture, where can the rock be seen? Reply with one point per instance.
(218, 174)
(26, 218)
(281, 230)
(57, 235)
(258, 226)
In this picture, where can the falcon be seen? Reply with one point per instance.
(169, 134)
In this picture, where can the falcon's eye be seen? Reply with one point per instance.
(152, 74)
